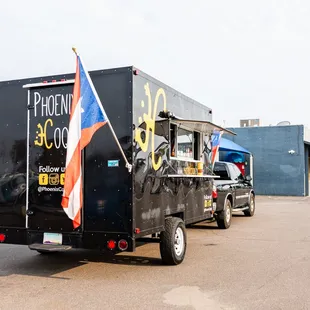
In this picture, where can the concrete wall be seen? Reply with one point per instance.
(276, 172)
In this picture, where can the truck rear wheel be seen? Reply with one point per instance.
(251, 210)
(224, 218)
(173, 241)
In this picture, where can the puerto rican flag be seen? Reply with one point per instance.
(215, 143)
(87, 116)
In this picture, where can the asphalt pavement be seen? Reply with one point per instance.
(261, 262)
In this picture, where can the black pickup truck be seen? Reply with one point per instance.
(232, 193)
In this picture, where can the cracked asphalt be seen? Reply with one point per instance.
(259, 263)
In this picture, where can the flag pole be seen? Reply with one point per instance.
(128, 165)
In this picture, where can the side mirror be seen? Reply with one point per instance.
(248, 178)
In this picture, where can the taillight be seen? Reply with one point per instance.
(2, 237)
(214, 192)
(111, 244)
(54, 81)
(123, 245)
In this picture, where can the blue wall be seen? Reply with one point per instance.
(276, 172)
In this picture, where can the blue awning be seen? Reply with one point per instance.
(227, 145)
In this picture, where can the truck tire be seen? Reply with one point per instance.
(173, 241)
(251, 210)
(224, 218)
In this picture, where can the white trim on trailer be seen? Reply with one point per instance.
(41, 84)
(27, 159)
(29, 86)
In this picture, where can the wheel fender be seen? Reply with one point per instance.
(224, 204)
(223, 200)
(232, 198)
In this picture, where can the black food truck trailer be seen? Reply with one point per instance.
(169, 186)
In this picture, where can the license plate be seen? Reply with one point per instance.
(52, 238)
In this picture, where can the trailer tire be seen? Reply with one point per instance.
(173, 241)
(46, 252)
(251, 210)
(225, 217)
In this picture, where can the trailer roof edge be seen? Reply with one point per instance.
(42, 84)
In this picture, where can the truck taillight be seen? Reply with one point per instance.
(214, 192)
(123, 245)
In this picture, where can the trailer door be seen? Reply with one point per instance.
(47, 125)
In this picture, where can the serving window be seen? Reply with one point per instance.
(185, 144)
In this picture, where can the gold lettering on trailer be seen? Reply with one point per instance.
(149, 120)
(41, 137)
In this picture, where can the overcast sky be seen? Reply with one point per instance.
(242, 58)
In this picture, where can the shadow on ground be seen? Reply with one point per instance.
(27, 262)
(21, 260)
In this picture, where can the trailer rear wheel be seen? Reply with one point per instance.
(173, 241)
